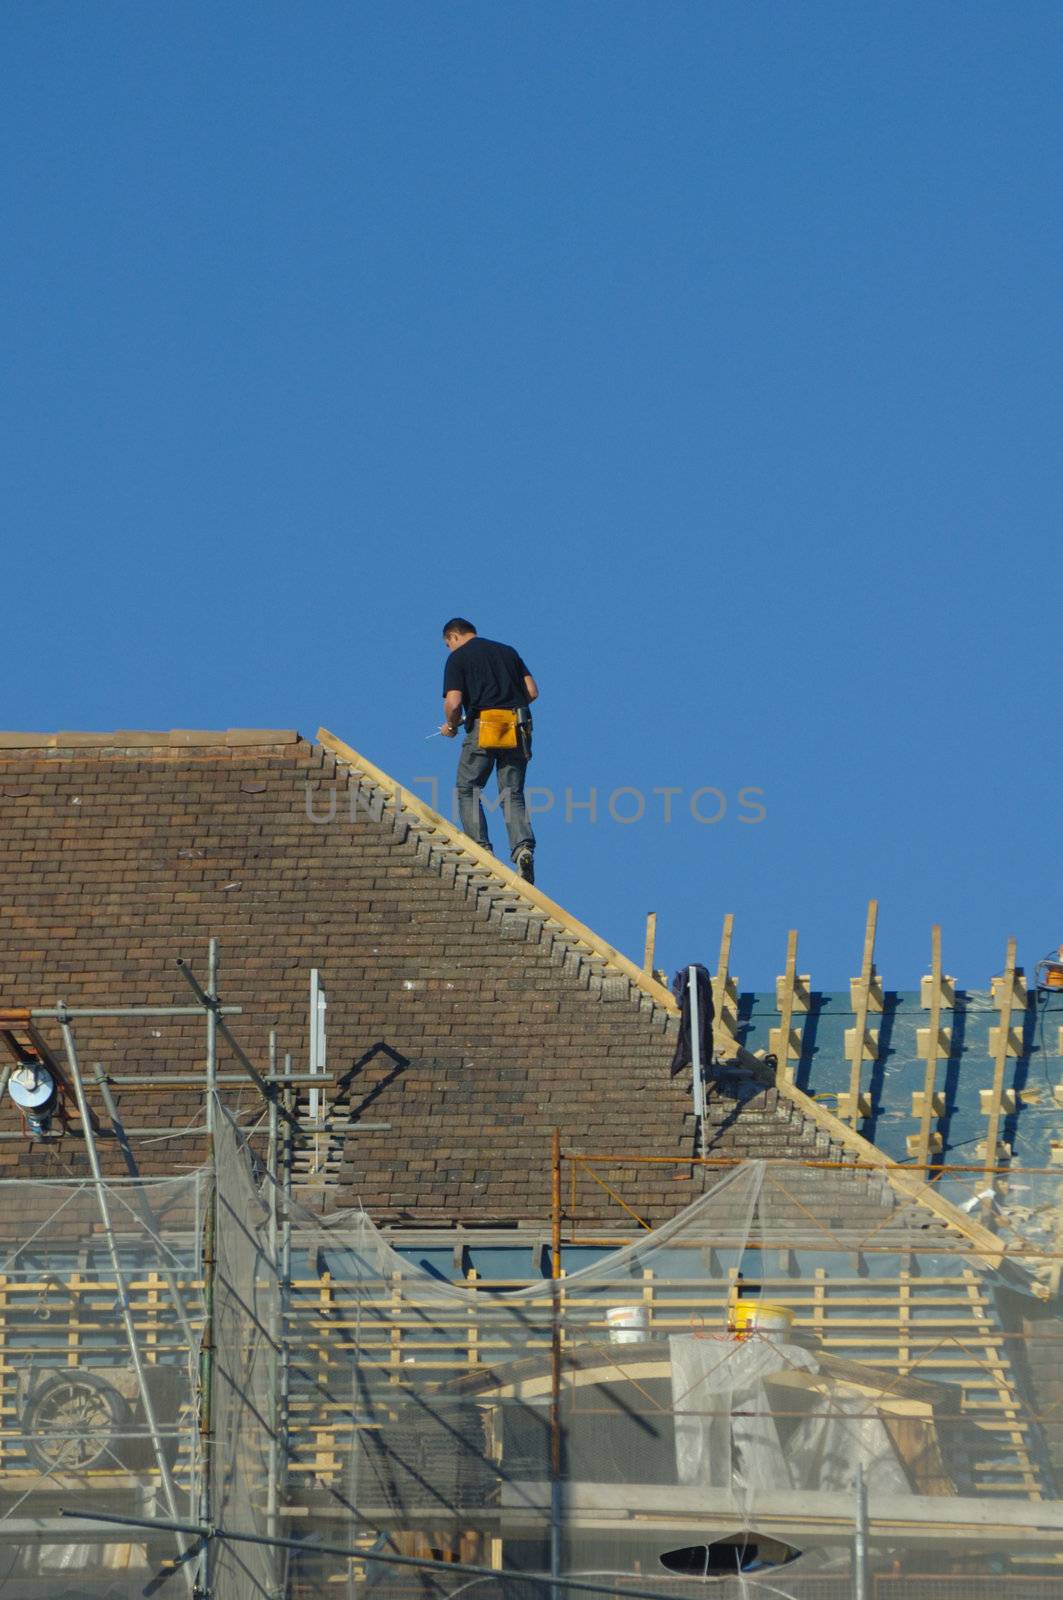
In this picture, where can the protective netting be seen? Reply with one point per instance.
(703, 1412)
(248, 1455)
(100, 1321)
(695, 1413)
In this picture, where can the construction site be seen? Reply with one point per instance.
(357, 1239)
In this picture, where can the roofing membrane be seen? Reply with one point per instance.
(1031, 1124)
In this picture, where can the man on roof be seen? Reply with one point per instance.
(488, 685)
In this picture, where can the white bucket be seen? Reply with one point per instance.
(773, 1320)
(628, 1324)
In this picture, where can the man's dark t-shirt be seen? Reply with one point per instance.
(489, 675)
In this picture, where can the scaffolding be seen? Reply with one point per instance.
(818, 1379)
(732, 1399)
(108, 1384)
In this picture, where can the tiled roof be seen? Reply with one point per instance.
(468, 1013)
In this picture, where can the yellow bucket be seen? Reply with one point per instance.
(760, 1316)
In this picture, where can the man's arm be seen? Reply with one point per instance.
(451, 713)
(531, 688)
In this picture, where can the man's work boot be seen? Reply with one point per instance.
(524, 861)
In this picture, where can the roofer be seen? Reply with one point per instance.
(489, 684)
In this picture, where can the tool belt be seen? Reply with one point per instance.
(505, 730)
(498, 730)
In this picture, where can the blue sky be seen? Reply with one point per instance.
(708, 352)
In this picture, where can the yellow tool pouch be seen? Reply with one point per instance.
(498, 730)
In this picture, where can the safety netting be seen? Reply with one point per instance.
(101, 1317)
(811, 1382)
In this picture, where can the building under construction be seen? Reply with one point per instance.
(355, 1235)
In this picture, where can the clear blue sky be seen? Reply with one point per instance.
(708, 352)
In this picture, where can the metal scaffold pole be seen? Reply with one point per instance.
(212, 1031)
(697, 1078)
(220, 1027)
(169, 1492)
(556, 1453)
(285, 1287)
(206, 1377)
(272, 1497)
(861, 1561)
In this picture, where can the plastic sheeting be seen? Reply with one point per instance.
(1033, 1116)
(727, 1436)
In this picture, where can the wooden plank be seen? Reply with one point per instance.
(151, 1336)
(395, 1340)
(651, 940)
(865, 1289)
(784, 1042)
(904, 1318)
(922, 1151)
(74, 1325)
(1004, 993)
(326, 1461)
(860, 1044)
(991, 1522)
(996, 1369)
(473, 1326)
(819, 1304)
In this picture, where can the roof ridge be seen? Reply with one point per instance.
(131, 738)
(582, 941)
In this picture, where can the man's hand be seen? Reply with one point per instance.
(447, 731)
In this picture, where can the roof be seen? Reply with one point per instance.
(469, 1014)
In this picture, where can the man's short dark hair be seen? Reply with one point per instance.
(457, 625)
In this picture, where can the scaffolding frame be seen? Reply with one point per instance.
(277, 1090)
